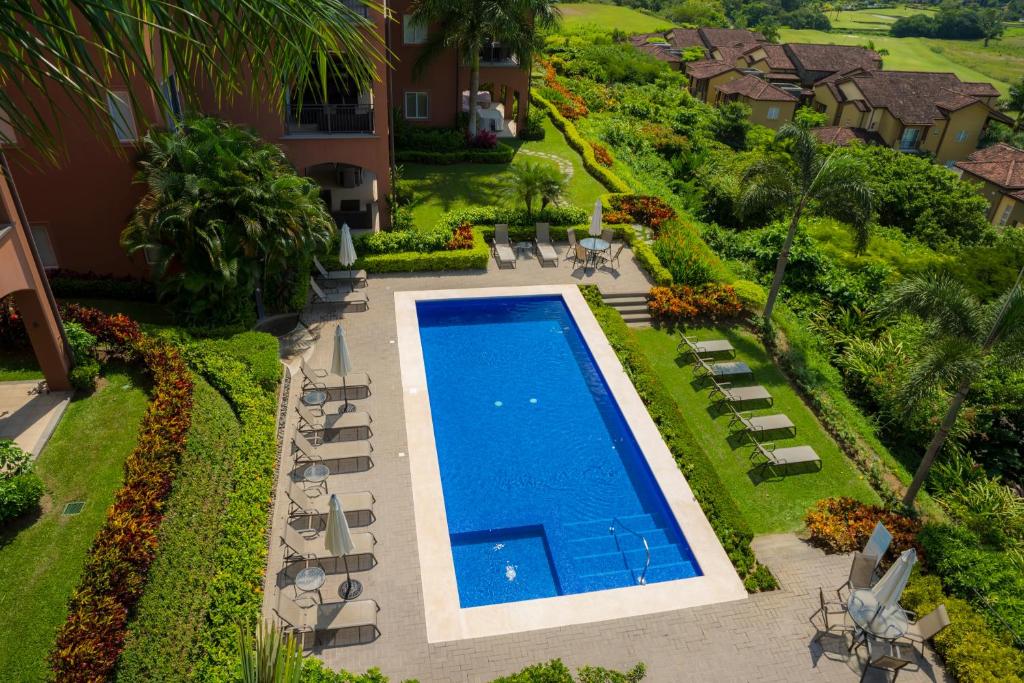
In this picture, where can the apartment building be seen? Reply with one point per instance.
(999, 173)
(770, 105)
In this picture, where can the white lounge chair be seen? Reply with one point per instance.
(341, 298)
(781, 457)
(354, 277)
(330, 624)
(502, 249)
(545, 250)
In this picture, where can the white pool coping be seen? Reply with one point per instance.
(445, 619)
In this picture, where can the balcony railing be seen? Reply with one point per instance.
(330, 119)
(497, 54)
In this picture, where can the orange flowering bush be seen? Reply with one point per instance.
(572, 105)
(601, 153)
(842, 525)
(683, 302)
(462, 238)
(653, 212)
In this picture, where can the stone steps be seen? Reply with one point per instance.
(632, 306)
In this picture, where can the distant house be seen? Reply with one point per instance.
(668, 46)
(999, 170)
(769, 105)
(707, 75)
(915, 112)
(814, 63)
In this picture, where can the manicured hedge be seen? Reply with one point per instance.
(501, 154)
(557, 672)
(487, 216)
(413, 261)
(605, 176)
(713, 496)
(971, 650)
(115, 573)
(162, 636)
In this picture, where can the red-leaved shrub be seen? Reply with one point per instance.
(573, 107)
(462, 238)
(683, 302)
(653, 212)
(484, 139)
(601, 153)
(842, 525)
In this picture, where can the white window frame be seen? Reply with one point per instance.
(122, 118)
(414, 31)
(417, 115)
(44, 247)
(774, 113)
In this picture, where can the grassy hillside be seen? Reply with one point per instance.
(611, 16)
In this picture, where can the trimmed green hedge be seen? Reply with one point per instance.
(173, 609)
(502, 154)
(557, 672)
(487, 216)
(413, 261)
(606, 177)
(970, 649)
(713, 496)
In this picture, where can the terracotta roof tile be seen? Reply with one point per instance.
(844, 135)
(831, 58)
(913, 97)
(659, 52)
(756, 89)
(717, 37)
(707, 68)
(775, 56)
(999, 164)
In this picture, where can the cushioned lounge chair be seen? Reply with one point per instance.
(545, 250)
(759, 424)
(501, 248)
(780, 457)
(704, 348)
(349, 622)
(724, 391)
(338, 277)
(340, 298)
(314, 419)
(732, 368)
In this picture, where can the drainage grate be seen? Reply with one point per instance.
(73, 508)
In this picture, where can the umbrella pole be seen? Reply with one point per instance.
(350, 589)
(344, 394)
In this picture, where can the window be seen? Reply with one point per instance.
(414, 30)
(961, 136)
(169, 88)
(910, 138)
(121, 115)
(8, 136)
(773, 113)
(1005, 217)
(42, 239)
(417, 105)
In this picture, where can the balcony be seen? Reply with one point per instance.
(494, 54)
(330, 119)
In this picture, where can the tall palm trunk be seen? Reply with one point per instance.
(780, 267)
(474, 85)
(954, 408)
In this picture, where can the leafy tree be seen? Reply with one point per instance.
(769, 28)
(223, 213)
(963, 340)
(697, 12)
(916, 25)
(991, 22)
(470, 25)
(731, 124)
(837, 183)
(1015, 102)
(529, 181)
(806, 117)
(807, 17)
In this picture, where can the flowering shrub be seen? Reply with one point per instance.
(572, 105)
(91, 638)
(12, 327)
(682, 302)
(650, 211)
(462, 238)
(842, 525)
(484, 139)
(601, 153)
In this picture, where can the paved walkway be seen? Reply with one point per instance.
(766, 637)
(29, 413)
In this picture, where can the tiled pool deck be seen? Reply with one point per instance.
(766, 637)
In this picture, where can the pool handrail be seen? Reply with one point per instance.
(647, 548)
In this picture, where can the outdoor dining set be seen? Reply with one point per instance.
(870, 613)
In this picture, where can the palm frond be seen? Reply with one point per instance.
(767, 187)
(941, 363)
(941, 300)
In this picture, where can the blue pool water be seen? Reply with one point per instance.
(537, 462)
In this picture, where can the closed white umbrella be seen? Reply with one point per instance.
(595, 220)
(347, 252)
(339, 544)
(890, 587)
(341, 362)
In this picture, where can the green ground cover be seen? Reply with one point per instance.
(871, 20)
(439, 189)
(579, 15)
(41, 560)
(17, 365)
(769, 505)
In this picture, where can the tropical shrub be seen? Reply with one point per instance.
(686, 257)
(474, 258)
(484, 139)
(487, 216)
(842, 525)
(462, 238)
(557, 672)
(603, 156)
(394, 241)
(223, 213)
(529, 181)
(653, 212)
(13, 334)
(83, 349)
(534, 128)
(69, 284)
(679, 303)
(20, 487)
(568, 104)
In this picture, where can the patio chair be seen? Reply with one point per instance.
(545, 250)
(612, 258)
(580, 256)
(608, 235)
(298, 548)
(862, 570)
(926, 628)
(734, 368)
(330, 278)
(570, 234)
(704, 348)
(314, 419)
(878, 544)
(349, 622)
(307, 452)
(342, 298)
(781, 457)
(887, 655)
(357, 383)
(725, 392)
(501, 248)
(358, 509)
(827, 608)
(759, 424)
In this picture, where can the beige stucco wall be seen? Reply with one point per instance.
(1016, 213)
(970, 120)
(718, 80)
(759, 112)
(889, 128)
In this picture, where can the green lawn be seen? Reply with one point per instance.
(18, 364)
(871, 20)
(769, 505)
(443, 188)
(607, 17)
(41, 559)
(998, 64)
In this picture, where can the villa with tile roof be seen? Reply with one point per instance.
(770, 105)
(999, 170)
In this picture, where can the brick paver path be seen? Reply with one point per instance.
(766, 637)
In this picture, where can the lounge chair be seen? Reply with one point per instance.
(349, 622)
(862, 570)
(501, 248)
(925, 628)
(312, 512)
(780, 457)
(298, 548)
(612, 258)
(545, 250)
(314, 419)
(887, 656)
(354, 385)
(342, 298)
(353, 277)
(307, 453)
(704, 348)
(724, 391)
(759, 424)
(733, 368)
(570, 234)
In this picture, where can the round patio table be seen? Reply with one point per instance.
(594, 246)
(888, 622)
(310, 579)
(316, 397)
(316, 473)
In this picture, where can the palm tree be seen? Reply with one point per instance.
(530, 180)
(469, 25)
(962, 337)
(835, 181)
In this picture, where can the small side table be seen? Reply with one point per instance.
(522, 247)
(315, 397)
(316, 474)
(310, 580)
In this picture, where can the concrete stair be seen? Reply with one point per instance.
(632, 306)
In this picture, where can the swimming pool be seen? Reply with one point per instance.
(545, 488)
(537, 473)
